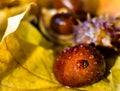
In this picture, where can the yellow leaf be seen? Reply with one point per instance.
(30, 34)
(3, 21)
(30, 67)
(14, 22)
(26, 62)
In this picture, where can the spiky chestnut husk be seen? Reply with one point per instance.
(102, 31)
(79, 66)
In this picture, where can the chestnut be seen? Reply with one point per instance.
(79, 65)
(63, 23)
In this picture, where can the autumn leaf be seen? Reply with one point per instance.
(11, 18)
(28, 65)
(14, 22)
(27, 59)
(30, 34)
(114, 76)
(3, 22)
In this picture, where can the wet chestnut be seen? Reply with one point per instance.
(79, 66)
(63, 23)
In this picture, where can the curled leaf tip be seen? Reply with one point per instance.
(14, 22)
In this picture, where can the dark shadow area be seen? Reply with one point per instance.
(110, 56)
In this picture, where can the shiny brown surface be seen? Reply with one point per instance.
(63, 23)
(79, 65)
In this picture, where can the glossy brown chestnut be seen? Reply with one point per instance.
(79, 66)
(63, 23)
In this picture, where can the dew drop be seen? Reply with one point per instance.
(87, 50)
(81, 45)
(95, 63)
(65, 51)
(91, 57)
(75, 50)
(98, 72)
(91, 72)
(81, 54)
(69, 57)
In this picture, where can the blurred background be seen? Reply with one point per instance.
(111, 7)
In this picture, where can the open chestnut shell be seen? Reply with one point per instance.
(45, 27)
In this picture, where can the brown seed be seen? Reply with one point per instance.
(63, 23)
(73, 69)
